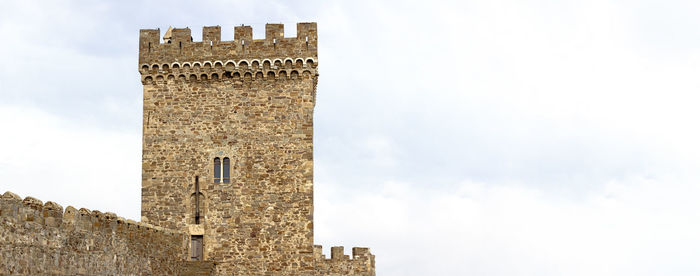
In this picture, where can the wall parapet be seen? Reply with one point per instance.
(178, 44)
(361, 263)
(43, 238)
(51, 214)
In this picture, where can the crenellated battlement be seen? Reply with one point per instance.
(361, 263)
(51, 214)
(42, 238)
(179, 47)
(338, 253)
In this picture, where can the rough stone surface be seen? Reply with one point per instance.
(249, 102)
(362, 262)
(261, 118)
(38, 239)
(198, 268)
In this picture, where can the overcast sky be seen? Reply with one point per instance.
(499, 137)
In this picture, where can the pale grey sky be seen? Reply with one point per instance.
(497, 137)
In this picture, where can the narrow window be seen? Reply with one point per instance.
(198, 208)
(217, 170)
(227, 170)
(197, 200)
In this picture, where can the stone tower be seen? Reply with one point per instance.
(233, 120)
(228, 146)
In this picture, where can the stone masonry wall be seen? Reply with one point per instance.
(362, 262)
(42, 239)
(250, 101)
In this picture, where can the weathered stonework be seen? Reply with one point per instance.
(248, 104)
(362, 262)
(43, 239)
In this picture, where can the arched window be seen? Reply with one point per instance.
(227, 170)
(217, 170)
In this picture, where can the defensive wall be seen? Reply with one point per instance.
(361, 263)
(44, 239)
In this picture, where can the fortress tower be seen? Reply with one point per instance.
(228, 149)
(227, 184)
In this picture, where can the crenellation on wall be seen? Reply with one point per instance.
(33, 203)
(110, 216)
(38, 238)
(211, 34)
(9, 210)
(69, 215)
(338, 253)
(148, 40)
(360, 251)
(30, 210)
(180, 46)
(242, 34)
(307, 32)
(11, 195)
(53, 214)
(361, 263)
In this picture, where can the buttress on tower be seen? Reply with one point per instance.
(228, 149)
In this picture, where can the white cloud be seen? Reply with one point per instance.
(578, 136)
(452, 137)
(632, 227)
(49, 158)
